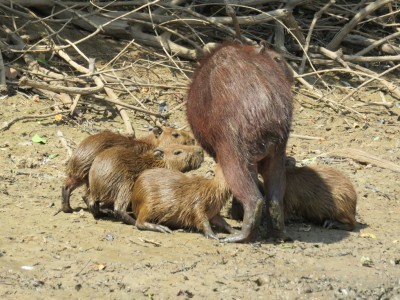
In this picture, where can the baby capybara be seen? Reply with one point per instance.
(170, 198)
(79, 164)
(239, 107)
(115, 170)
(322, 195)
(318, 194)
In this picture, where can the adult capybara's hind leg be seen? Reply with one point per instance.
(241, 182)
(273, 172)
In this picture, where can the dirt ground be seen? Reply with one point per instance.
(68, 256)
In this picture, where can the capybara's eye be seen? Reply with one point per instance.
(277, 59)
(176, 135)
(177, 152)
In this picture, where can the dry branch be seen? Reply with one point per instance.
(363, 157)
(179, 29)
(335, 43)
(24, 81)
(8, 124)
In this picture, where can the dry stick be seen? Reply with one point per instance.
(231, 12)
(334, 55)
(29, 59)
(74, 104)
(122, 111)
(130, 93)
(61, 89)
(378, 43)
(368, 81)
(8, 124)
(292, 4)
(317, 16)
(363, 41)
(337, 106)
(131, 106)
(64, 98)
(64, 143)
(307, 137)
(279, 37)
(162, 27)
(363, 157)
(390, 86)
(165, 41)
(118, 55)
(3, 85)
(335, 42)
(371, 58)
(337, 57)
(101, 27)
(155, 41)
(293, 26)
(110, 93)
(306, 84)
(83, 267)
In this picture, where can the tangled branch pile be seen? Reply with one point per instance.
(356, 41)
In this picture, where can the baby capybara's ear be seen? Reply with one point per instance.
(157, 130)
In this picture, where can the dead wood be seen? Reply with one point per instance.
(318, 39)
(363, 157)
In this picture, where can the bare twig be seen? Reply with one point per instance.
(8, 124)
(317, 16)
(368, 81)
(63, 142)
(24, 81)
(334, 44)
(363, 157)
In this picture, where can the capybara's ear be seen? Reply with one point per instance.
(158, 154)
(261, 47)
(157, 130)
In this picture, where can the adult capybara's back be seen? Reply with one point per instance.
(239, 107)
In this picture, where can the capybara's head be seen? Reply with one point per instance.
(166, 136)
(180, 157)
(277, 58)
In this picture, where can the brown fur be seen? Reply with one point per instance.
(239, 107)
(79, 164)
(177, 200)
(322, 195)
(318, 194)
(115, 170)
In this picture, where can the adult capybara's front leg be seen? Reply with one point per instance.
(272, 170)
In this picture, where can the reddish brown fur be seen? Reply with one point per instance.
(322, 195)
(177, 200)
(239, 107)
(115, 170)
(79, 164)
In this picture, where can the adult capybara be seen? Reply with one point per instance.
(79, 164)
(239, 107)
(115, 170)
(164, 197)
(319, 194)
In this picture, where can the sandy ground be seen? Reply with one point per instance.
(68, 256)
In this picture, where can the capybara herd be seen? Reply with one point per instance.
(239, 108)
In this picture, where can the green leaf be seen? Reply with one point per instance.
(38, 139)
(287, 246)
(54, 155)
(43, 61)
